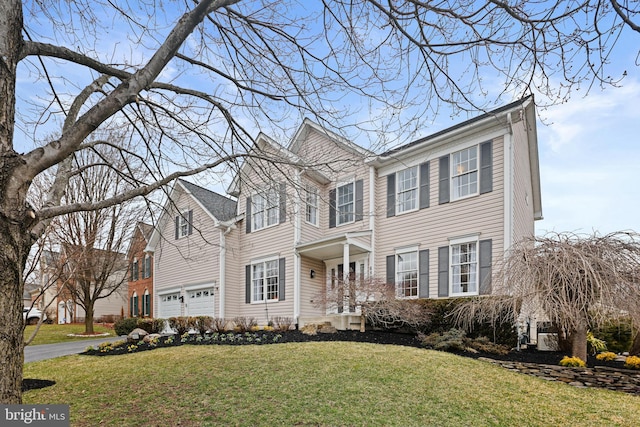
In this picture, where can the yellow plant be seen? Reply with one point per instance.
(572, 362)
(632, 362)
(606, 356)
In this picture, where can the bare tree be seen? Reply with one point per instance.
(258, 64)
(575, 281)
(93, 243)
(376, 301)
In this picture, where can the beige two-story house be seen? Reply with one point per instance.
(431, 217)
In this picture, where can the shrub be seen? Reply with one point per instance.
(596, 345)
(179, 324)
(451, 340)
(575, 362)
(218, 324)
(203, 324)
(282, 324)
(485, 345)
(244, 324)
(632, 362)
(606, 356)
(147, 324)
(125, 326)
(618, 335)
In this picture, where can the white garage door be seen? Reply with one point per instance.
(200, 302)
(169, 305)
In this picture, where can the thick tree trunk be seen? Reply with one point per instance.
(15, 216)
(579, 343)
(88, 318)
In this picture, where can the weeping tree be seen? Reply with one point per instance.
(574, 281)
(191, 83)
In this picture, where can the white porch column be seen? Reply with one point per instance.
(297, 231)
(345, 277)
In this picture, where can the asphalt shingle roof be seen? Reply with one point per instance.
(221, 207)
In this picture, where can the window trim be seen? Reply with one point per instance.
(453, 175)
(461, 241)
(265, 285)
(311, 190)
(183, 224)
(146, 267)
(135, 270)
(415, 250)
(264, 195)
(341, 184)
(416, 189)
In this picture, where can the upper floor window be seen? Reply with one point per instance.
(265, 209)
(134, 269)
(265, 281)
(345, 203)
(464, 172)
(407, 274)
(464, 268)
(407, 189)
(312, 205)
(183, 224)
(146, 272)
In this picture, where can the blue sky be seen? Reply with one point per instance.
(588, 150)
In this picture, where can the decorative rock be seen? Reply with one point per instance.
(150, 337)
(136, 335)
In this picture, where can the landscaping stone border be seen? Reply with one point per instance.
(624, 380)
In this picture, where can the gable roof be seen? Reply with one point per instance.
(475, 120)
(219, 206)
(308, 125)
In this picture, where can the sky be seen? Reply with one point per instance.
(589, 153)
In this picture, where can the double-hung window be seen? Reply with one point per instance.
(345, 203)
(464, 172)
(464, 268)
(134, 269)
(265, 209)
(183, 224)
(312, 205)
(407, 274)
(264, 276)
(146, 272)
(407, 189)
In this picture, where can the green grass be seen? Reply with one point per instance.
(51, 334)
(315, 384)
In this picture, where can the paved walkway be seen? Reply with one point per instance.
(33, 353)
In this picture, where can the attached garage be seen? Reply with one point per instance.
(169, 305)
(200, 302)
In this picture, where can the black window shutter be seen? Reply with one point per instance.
(423, 280)
(283, 202)
(247, 215)
(443, 188)
(332, 208)
(131, 306)
(391, 195)
(485, 266)
(282, 272)
(486, 167)
(424, 185)
(190, 221)
(443, 271)
(247, 284)
(177, 226)
(359, 200)
(391, 270)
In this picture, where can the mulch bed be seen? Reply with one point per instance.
(376, 337)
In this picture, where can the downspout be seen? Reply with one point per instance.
(223, 269)
(508, 186)
(372, 220)
(297, 223)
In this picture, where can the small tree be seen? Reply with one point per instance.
(575, 280)
(377, 302)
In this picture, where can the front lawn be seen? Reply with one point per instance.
(54, 333)
(315, 384)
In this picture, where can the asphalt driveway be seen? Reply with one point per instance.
(33, 353)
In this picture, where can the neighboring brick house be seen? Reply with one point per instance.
(140, 281)
(432, 217)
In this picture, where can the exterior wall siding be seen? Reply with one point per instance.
(189, 260)
(522, 189)
(432, 227)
